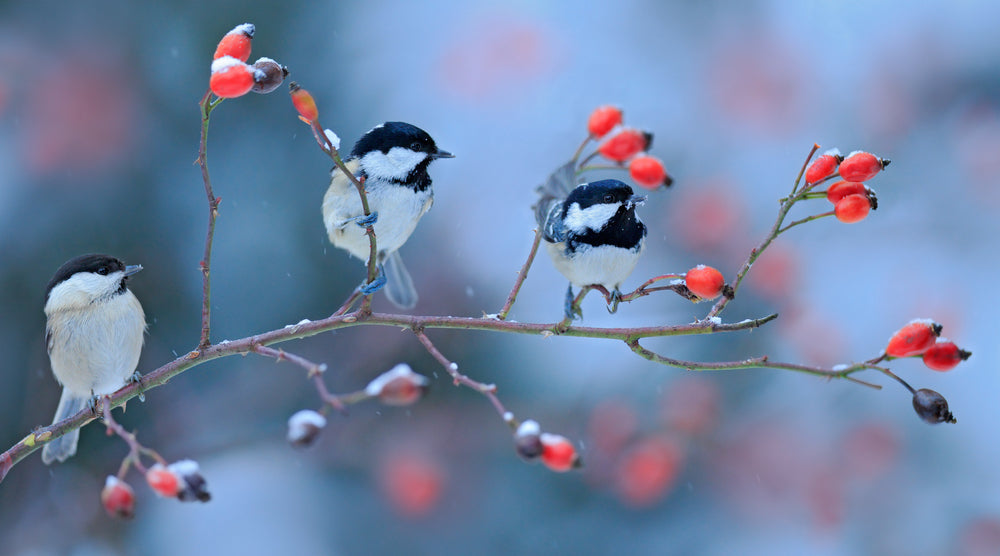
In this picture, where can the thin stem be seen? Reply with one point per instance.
(761, 362)
(488, 390)
(324, 143)
(314, 371)
(757, 251)
(135, 449)
(802, 171)
(595, 167)
(804, 221)
(579, 150)
(207, 105)
(502, 315)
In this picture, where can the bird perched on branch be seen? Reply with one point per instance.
(392, 159)
(591, 232)
(94, 333)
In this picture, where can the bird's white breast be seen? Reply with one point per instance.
(399, 209)
(588, 265)
(94, 350)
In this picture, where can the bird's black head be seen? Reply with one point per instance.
(600, 192)
(96, 263)
(397, 134)
(603, 213)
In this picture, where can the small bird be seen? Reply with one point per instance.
(94, 333)
(592, 234)
(392, 158)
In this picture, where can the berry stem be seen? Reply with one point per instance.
(135, 449)
(314, 371)
(206, 105)
(579, 150)
(756, 252)
(802, 171)
(761, 362)
(805, 220)
(324, 144)
(488, 390)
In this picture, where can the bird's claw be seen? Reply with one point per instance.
(365, 221)
(375, 285)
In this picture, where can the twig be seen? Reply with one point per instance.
(135, 449)
(488, 390)
(762, 362)
(207, 105)
(314, 372)
(502, 315)
(775, 230)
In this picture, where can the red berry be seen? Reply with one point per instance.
(118, 498)
(231, 78)
(843, 188)
(398, 386)
(236, 43)
(823, 166)
(861, 166)
(303, 103)
(558, 453)
(852, 208)
(648, 171)
(603, 119)
(412, 482)
(268, 76)
(705, 282)
(914, 338)
(625, 144)
(648, 470)
(944, 356)
(163, 481)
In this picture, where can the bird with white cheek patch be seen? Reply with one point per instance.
(393, 159)
(593, 234)
(94, 333)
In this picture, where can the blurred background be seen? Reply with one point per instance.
(99, 132)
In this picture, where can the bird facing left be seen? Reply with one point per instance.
(94, 333)
(392, 158)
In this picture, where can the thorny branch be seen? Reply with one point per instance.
(345, 318)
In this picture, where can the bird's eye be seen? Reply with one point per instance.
(416, 146)
(609, 198)
(103, 271)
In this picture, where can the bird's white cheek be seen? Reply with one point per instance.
(396, 164)
(593, 217)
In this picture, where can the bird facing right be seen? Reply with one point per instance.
(592, 235)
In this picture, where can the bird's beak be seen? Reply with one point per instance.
(636, 200)
(132, 269)
(442, 154)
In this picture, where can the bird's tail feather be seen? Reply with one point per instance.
(65, 446)
(399, 286)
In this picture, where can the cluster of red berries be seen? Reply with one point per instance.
(627, 144)
(921, 337)
(555, 451)
(232, 76)
(852, 200)
(181, 480)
